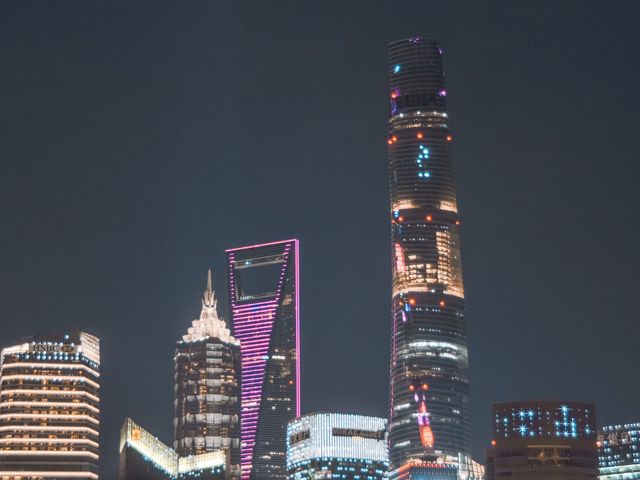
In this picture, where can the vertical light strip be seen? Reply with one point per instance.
(298, 350)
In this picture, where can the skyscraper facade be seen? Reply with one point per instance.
(619, 452)
(263, 286)
(555, 440)
(207, 387)
(337, 446)
(429, 385)
(50, 408)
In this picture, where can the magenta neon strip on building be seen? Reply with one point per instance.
(264, 297)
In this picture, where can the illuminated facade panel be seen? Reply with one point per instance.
(337, 445)
(429, 385)
(619, 452)
(425, 470)
(543, 439)
(50, 408)
(207, 387)
(264, 297)
(544, 419)
(441, 467)
(144, 457)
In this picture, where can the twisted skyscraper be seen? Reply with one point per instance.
(429, 404)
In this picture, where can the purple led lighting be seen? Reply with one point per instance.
(253, 324)
(231, 250)
(297, 273)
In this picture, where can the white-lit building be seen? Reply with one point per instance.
(337, 446)
(144, 457)
(619, 452)
(50, 408)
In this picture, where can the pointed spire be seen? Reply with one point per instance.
(209, 299)
(209, 324)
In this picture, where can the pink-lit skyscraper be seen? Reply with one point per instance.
(264, 298)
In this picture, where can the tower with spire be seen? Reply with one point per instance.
(209, 325)
(207, 386)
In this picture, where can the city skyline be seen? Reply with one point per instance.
(144, 142)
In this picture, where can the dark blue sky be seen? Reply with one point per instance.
(140, 139)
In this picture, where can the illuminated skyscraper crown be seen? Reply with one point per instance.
(209, 325)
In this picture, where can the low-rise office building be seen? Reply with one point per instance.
(144, 457)
(555, 440)
(337, 446)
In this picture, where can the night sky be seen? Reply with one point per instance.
(139, 139)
